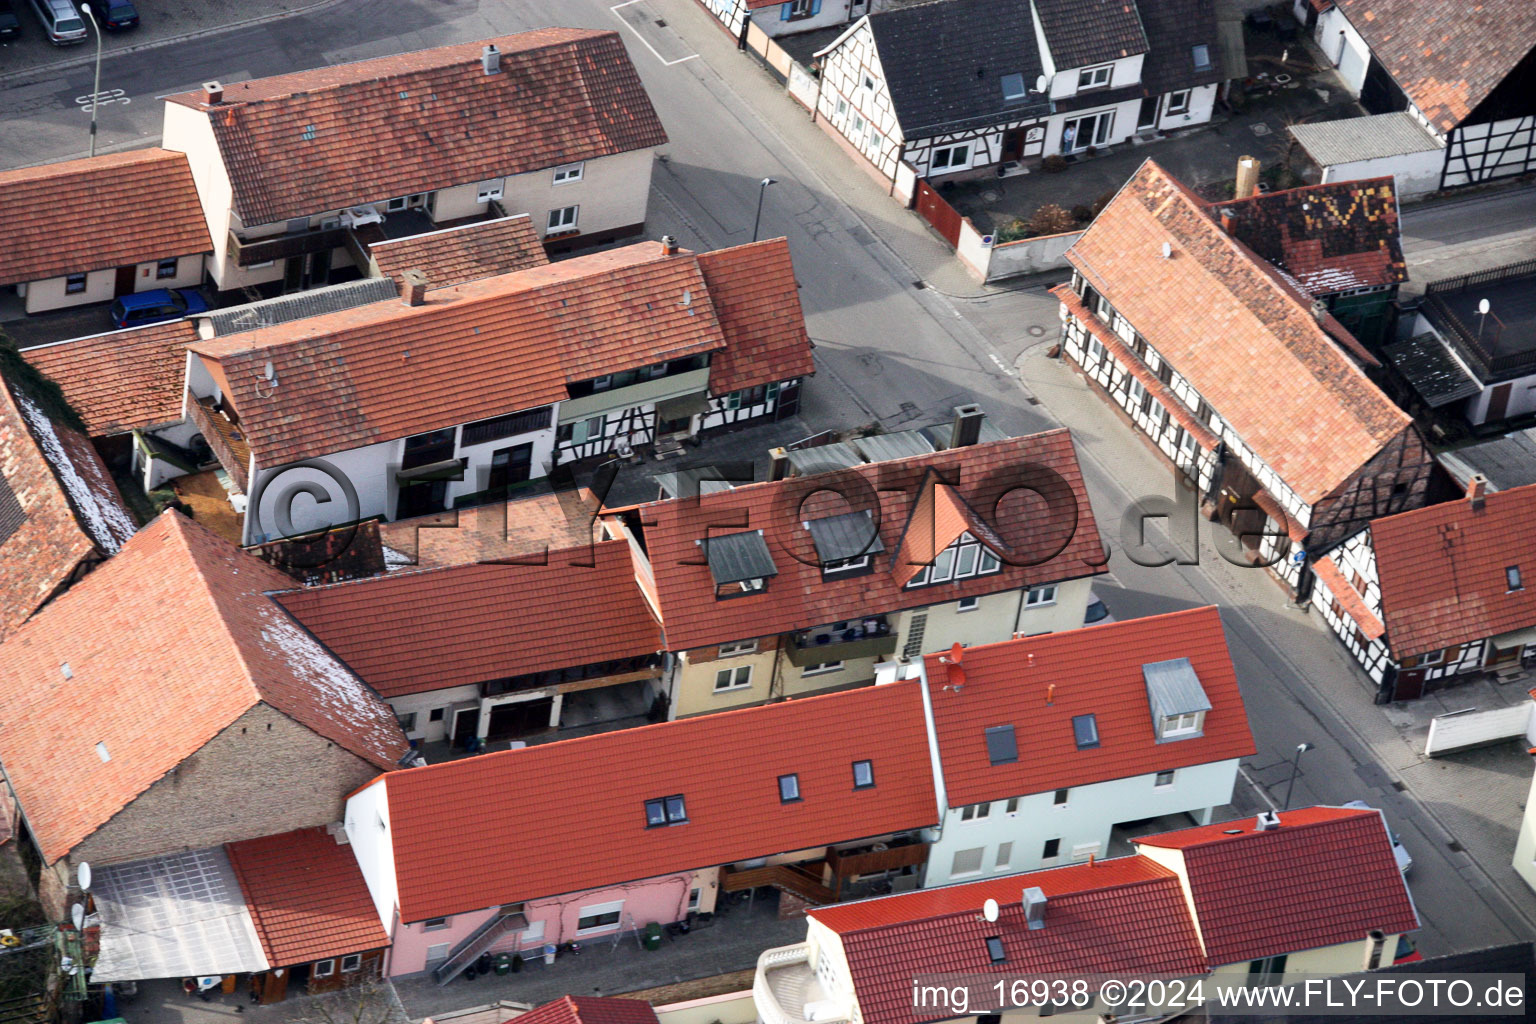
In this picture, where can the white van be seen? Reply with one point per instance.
(63, 22)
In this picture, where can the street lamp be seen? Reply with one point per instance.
(95, 89)
(762, 188)
(1482, 314)
(1301, 748)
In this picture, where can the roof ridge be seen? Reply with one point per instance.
(507, 562)
(1221, 837)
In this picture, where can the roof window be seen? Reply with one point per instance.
(666, 810)
(1085, 730)
(1002, 745)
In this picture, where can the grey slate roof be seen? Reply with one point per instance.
(1508, 461)
(1174, 28)
(735, 557)
(1434, 372)
(1174, 689)
(898, 445)
(838, 455)
(1083, 32)
(286, 308)
(944, 63)
(839, 538)
(1363, 138)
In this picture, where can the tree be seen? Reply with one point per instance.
(370, 1001)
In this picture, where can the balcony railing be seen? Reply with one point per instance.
(1482, 345)
(281, 247)
(870, 637)
(871, 861)
(785, 982)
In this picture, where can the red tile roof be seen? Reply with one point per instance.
(1048, 542)
(315, 141)
(1315, 432)
(938, 518)
(59, 510)
(141, 206)
(534, 524)
(178, 619)
(306, 896)
(591, 1010)
(1327, 876)
(1330, 237)
(468, 253)
(1441, 571)
(484, 348)
(411, 632)
(1125, 916)
(758, 302)
(1446, 55)
(122, 381)
(1040, 683)
(1348, 597)
(588, 830)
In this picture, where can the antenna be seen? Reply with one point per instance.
(989, 910)
(83, 876)
(1167, 250)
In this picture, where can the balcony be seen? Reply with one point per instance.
(282, 247)
(870, 860)
(787, 991)
(869, 637)
(224, 437)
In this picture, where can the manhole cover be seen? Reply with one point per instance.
(991, 196)
(1282, 79)
(1035, 330)
(1259, 128)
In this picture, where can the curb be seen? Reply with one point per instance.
(77, 62)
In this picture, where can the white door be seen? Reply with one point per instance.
(1352, 64)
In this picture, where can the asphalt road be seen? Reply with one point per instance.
(886, 350)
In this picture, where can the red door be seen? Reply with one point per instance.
(1498, 402)
(944, 218)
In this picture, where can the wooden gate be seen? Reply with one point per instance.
(944, 218)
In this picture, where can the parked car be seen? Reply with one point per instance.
(10, 25)
(1404, 859)
(1098, 612)
(62, 20)
(116, 15)
(156, 306)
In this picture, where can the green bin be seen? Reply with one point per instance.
(503, 964)
(652, 936)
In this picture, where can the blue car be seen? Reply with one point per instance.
(118, 16)
(156, 307)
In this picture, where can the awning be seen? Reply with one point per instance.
(448, 469)
(177, 916)
(695, 404)
(1515, 637)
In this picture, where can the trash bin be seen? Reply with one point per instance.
(549, 953)
(652, 936)
(503, 964)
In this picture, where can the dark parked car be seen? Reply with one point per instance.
(156, 306)
(116, 15)
(10, 25)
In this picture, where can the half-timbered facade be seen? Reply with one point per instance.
(1466, 74)
(970, 87)
(1292, 471)
(1424, 598)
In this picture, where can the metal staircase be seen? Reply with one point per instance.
(478, 941)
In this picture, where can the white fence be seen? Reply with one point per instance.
(993, 262)
(1463, 730)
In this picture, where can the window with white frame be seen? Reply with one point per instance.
(1190, 724)
(1012, 807)
(951, 158)
(738, 678)
(566, 173)
(488, 190)
(351, 963)
(1094, 78)
(599, 917)
(397, 204)
(1178, 102)
(967, 862)
(74, 284)
(433, 924)
(694, 896)
(436, 952)
(407, 721)
(563, 219)
(965, 558)
(869, 83)
(858, 123)
(842, 105)
(967, 604)
(739, 647)
(876, 140)
(1163, 779)
(166, 268)
(323, 969)
(1040, 596)
(582, 431)
(822, 667)
(1004, 854)
(975, 812)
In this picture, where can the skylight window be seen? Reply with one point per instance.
(863, 774)
(1013, 87)
(1512, 577)
(995, 949)
(1002, 745)
(1202, 57)
(666, 810)
(789, 788)
(1085, 729)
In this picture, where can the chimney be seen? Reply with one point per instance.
(1319, 310)
(668, 245)
(1034, 907)
(1050, 694)
(415, 283)
(1375, 941)
(966, 429)
(1477, 490)
(1227, 216)
(1247, 178)
(1267, 821)
(778, 464)
(490, 59)
(213, 93)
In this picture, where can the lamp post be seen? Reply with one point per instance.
(762, 189)
(1482, 314)
(1301, 748)
(96, 88)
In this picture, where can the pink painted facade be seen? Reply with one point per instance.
(556, 920)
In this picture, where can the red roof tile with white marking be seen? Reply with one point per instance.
(577, 807)
(1039, 684)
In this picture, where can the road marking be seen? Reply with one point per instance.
(664, 62)
(104, 97)
(1256, 787)
(1000, 364)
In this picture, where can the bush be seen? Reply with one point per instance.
(1051, 219)
(1101, 202)
(1082, 214)
(1054, 164)
(1012, 231)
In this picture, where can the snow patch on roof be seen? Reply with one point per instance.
(108, 523)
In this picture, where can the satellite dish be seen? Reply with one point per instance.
(1483, 307)
(271, 372)
(1041, 83)
(989, 910)
(83, 875)
(77, 915)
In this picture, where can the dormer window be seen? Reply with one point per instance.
(844, 543)
(965, 558)
(1176, 699)
(1094, 78)
(666, 810)
(1179, 726)
(739, 563)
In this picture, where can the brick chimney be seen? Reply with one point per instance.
(414, 292)
(213, 93)
(668, 245)
(1477, 490)
(1227, 216)
(1247, 177)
